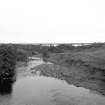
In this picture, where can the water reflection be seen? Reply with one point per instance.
(5, 91)
(5, 86)
(39, 90)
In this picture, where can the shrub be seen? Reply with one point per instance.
(22, 55)
(7, 62)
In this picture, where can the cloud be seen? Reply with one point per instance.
(52, 21)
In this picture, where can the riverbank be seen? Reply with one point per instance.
(83, 68)
(63, 73)
(53, 70)
(73, 71)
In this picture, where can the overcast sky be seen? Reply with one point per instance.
(35, 21)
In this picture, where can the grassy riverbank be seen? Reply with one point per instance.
(64, 73)
(82, 66)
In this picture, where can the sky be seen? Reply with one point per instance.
(52, 21)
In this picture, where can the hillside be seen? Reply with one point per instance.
(85, 66)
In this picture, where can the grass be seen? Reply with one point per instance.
(85, 66)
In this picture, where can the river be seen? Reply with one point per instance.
(34, 89)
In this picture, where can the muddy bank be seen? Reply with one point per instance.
(71, 76)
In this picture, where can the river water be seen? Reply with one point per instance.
(40, 90)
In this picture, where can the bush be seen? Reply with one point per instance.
(7, 62)
(22, 55)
